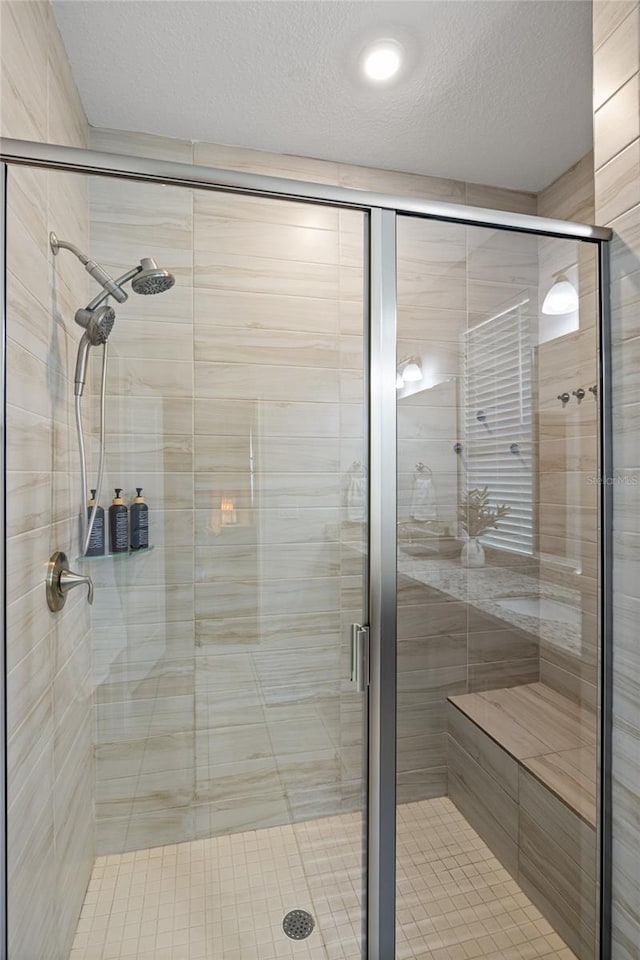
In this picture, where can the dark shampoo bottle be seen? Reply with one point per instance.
(96, 540)
(118, 524)
(139, 522)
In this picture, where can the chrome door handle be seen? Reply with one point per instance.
(359, 674)
(60, 580)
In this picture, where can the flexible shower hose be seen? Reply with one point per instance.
(85, 527)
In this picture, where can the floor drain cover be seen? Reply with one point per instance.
(298, 924)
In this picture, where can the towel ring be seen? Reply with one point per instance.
(421, 467)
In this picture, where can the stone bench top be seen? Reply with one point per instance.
(550, 735)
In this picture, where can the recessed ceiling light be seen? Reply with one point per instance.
(382, 60)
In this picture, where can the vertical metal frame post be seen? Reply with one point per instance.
(4, 949)
(606, 477)
(382, 587)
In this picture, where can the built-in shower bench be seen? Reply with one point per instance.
(522, 770)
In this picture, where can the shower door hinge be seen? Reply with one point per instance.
(359, 656)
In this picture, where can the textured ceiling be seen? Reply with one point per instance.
(493, 91)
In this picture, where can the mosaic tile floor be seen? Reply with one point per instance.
(224, 898)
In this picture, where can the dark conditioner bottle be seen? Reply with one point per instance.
(96, 540)
(118, 524)
(139, 522)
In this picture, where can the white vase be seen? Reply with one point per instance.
(472, 553)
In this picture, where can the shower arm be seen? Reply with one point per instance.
(92, 267)
(100, 297)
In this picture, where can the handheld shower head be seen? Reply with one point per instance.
(97, 330)
(151, 278)
(100, 325)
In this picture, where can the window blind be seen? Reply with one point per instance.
(498, 414)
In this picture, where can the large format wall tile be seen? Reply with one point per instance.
(50, 788)
(616, 76)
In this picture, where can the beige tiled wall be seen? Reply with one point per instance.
(257, 350)
(49, 690)
(276, 348)
(616, 38)
(449, 277)
(567, 436)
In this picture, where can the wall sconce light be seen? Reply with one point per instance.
(409, 371)
(228, 514)
(562, 297)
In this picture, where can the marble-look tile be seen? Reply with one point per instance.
(25, 40)
(499, 198)
(500, 256)
(128, 377)
(234, 816)
(421, 752)
(617, 184)
(617, 122)
(30, 806)
(29, 680)
(507, 673)
(66, 119)
(493, 760)
(263, 162)
(277, 419)
(607, 17)
(145, 145)
(30, 905)
(155, 680)
(246, 779)
(236, 239)
(431, 324)
(126, 796)
(432, 620)
(570, 197)
(250, 274)
(501, 645)
(141, 831)
(417, 289)
(486, 298)
(401, 184)
(268, 210)
(486, 806)
(616, 59)
(140, 604)
(263, 311)
(134, 719)
(443, 650)
(150, 755)
(276, 563)
(151, 453)
(249, 346)
(437, 249)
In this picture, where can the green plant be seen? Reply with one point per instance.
(476, 516)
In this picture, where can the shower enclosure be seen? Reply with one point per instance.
(353, 699)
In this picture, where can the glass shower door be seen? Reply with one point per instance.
(202, 706)
(497, 561)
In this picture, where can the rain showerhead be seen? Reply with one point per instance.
(151, 278)
(146, 278)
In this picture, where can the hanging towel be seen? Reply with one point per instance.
(423, 500)
(357, 499)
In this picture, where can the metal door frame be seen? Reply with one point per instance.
(382, 210)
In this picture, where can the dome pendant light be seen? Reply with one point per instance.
(561, 298)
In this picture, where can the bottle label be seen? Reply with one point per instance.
(96, 540)
(139, 528)
(120, 530)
